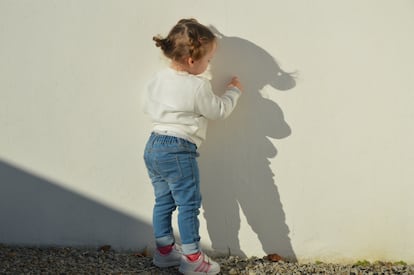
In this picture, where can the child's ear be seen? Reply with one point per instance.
(190, 61)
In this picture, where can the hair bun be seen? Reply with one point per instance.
(158, 41)
(163, 43)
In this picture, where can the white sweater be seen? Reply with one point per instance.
(180, 104)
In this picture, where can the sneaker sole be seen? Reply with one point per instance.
(164, 265)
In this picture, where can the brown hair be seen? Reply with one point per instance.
(187, 38)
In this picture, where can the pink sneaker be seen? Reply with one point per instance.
(204, 265)
(171, 259)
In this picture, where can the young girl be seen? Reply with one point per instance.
(180, 102)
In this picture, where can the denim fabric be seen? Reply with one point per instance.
(173, 169)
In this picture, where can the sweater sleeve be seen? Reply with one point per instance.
(215, 107)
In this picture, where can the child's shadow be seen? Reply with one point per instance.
(234, 161)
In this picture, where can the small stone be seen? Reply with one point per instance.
(274, 257)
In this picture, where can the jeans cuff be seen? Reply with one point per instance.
(164, 241)
(190, 248)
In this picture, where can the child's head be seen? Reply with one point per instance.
(190, 45)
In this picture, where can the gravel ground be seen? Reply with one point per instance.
(29, 260)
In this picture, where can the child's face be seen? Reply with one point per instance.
(199, 66)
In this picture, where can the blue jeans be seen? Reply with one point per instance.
(173, 169)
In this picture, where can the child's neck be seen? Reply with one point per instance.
(178, 67)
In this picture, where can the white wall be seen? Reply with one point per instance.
(315, 163)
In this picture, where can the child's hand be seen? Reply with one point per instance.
(235, 83)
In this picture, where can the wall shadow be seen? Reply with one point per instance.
(234, 160)
(36, 211)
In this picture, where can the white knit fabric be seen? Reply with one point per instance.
(180, 104)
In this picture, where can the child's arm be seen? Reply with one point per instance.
(214, 107)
